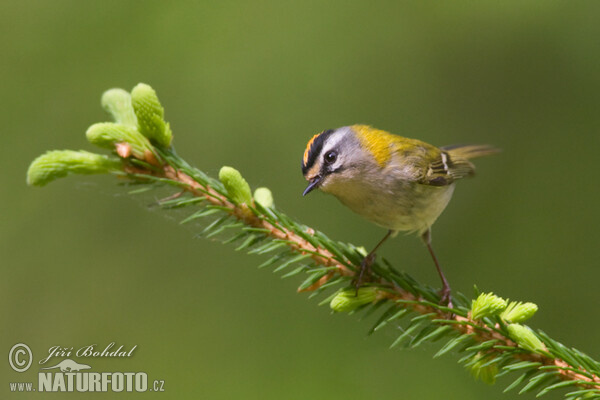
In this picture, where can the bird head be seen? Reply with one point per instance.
(336, 157)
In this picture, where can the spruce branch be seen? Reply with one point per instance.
(486, 332)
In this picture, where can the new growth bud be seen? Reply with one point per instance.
(347, 300)
(487, 305)
(525, 338)
(485, 373)
(264, 197)
(108, 135)
(59, 163)
(118, 103)
(150, 115)
(519, 312)
(236, 186)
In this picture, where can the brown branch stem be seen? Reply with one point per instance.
(393, 292)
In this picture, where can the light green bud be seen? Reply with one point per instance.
(525, 338)
(237, 187)
(487, 305)
(519, 312)
(347, 300)
(118, 103)
(264, 197)
(150, 115)
(59, 163)
(485, 374)
(108, 135)
(362, 251)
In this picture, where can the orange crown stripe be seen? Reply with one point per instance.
(310, 142)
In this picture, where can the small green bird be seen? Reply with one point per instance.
(397, 183)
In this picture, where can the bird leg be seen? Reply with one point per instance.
(445, 292)
(365, 265)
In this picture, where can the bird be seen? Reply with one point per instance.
(398, 183)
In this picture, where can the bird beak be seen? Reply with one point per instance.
(314, 183)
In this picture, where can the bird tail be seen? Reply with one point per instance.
(460, 154)
(468, 151)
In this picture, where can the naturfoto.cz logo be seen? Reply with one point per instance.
(69, 375)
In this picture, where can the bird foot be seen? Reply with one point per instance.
(364, 272)
(445, 297)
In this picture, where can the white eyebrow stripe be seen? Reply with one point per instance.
(332, 141)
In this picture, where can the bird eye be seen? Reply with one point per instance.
(330, 157)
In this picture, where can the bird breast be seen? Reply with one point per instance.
(396, 204)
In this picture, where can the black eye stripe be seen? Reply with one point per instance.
(315, 150)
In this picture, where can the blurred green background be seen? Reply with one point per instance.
(247, 84)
